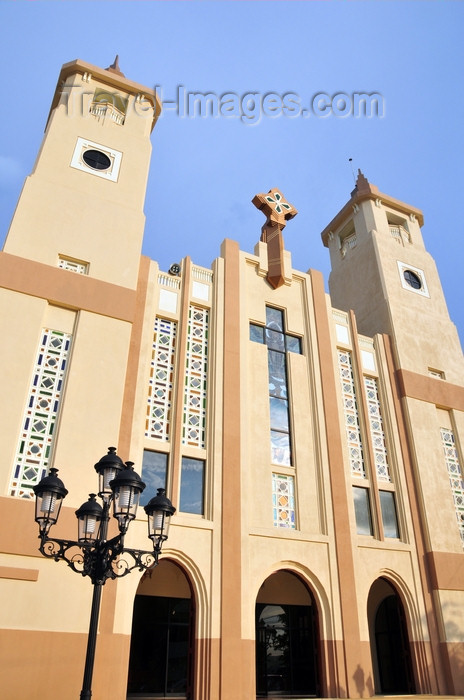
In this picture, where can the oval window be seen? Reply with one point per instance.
(412, 279)
(96, 160)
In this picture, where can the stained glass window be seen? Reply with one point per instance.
(277, 366)
(455, 475)
(278, 343)
(280, 448)
(196, 371)
(275, 340)
(377, 434)
(274, 319)
(256, 333)
(279, 415)
(160, 383)
(353, 431)
(293, 344)
(283, 501)
(39, 422)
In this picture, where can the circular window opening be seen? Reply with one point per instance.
(96, 160)
(412, 279)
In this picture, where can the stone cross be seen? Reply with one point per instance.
(277, 211)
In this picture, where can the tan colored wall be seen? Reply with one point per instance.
(366, 279)
(436, 495)
(46, 656)
(63, 210)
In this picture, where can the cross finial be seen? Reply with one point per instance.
(277, 211)
(274, 206)
(363, 185)
(362, 182)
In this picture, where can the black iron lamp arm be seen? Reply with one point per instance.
(99, 560)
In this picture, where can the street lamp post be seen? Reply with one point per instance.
(93, 554)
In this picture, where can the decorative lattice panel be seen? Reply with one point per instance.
(194, 415)
(350, 407)
(377, 434)
(283, 501)
(160, 383)
(39, 422)
(455, 476)
(73, 266)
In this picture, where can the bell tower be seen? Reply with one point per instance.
(381, 270)
(73, 281)
(82, 206)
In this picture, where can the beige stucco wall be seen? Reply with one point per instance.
(366, 278)
(78, 214)
(45, 604)
(433, 479)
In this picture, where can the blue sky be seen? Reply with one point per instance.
(411, 53)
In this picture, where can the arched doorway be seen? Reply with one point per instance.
(160, 662)
(286, 638)
(390, 648)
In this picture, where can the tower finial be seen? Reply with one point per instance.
(362, 182)
(277, 212)
(114, 68)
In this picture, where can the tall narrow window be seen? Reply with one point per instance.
(37, 434)
(389, 517)
(353, 430)
(278, 343)
(194, 416)
(377, 434)
(192, 486)
(455, 476)
(154, 471)
(160, 384)
(362, 511)
(278, 408)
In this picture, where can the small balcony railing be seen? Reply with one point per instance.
(399, 233)
(103, 110)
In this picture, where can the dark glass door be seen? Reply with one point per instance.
(159, 654)
(393, 655)
(286, 651)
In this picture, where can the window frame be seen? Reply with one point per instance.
(201, 511)
(150, 492)
(357, 512)
(383, 513)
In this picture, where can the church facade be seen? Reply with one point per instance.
(312, 444)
